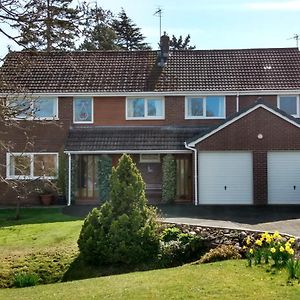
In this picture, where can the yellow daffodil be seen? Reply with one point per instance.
(281, 249)
(248, 241)
(268, 239)
(276, 235)
(251, 251)
(258, 242)
(287, 246)
(273, 250)
(291, 251)
(291, 240)
(244, 247)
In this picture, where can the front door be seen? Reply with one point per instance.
(184, 179)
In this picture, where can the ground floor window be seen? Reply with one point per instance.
(32, 165)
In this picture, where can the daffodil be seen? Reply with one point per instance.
(291, 251)
(273, 250)
(244, 247)
(291, 240)
(251, 251)
(276, 235)
(268, 239)
(248, 241)
(287, 246)
(258, 242)
(281, 249)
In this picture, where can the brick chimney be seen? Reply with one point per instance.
(164, 50)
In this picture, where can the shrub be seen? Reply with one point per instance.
(124, 229)
(104, 168)
(178, 247)
(169, 178)
(23, 279)
(222, 252)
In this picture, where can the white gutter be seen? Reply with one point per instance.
(127, 151)
(160, 94)
(195, 172)
(69, 180)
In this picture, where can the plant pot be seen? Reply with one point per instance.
(46, 199)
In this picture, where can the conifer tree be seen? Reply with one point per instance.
(49, 25)
(123, 229)
(129, 36)
(98, 32)
(180, 44)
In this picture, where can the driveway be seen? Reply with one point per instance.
(285, 219)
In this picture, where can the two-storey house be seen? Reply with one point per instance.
(229, 117)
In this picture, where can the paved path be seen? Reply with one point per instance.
(285, 219)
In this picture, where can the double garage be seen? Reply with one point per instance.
(228, 177)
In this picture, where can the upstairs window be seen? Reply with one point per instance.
(32, 165)
(210, 107)
(145, 108)
(41, 108)
(289, 104)
(83, 110)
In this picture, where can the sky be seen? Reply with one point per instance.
(212, 24)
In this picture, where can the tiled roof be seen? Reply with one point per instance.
(138, 71)
(130, 138)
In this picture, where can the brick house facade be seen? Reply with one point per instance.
(229, 117)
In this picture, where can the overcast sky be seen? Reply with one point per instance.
(212, 24)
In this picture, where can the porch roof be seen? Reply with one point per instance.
(130, 138)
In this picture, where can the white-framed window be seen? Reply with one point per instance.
(289, 104)
(149, 158)
(31, 165)
(205, 107)
(39, 108)
(139, 108)
(83, 110)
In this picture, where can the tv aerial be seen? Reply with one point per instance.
(295, 37)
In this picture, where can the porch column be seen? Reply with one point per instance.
(69, 179)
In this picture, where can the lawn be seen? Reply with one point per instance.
(44, 242)
(221, 280)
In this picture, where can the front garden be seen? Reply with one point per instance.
(123, 236)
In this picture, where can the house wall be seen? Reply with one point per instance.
(241, 135)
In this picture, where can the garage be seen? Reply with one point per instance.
(284, 177)
(225, 177)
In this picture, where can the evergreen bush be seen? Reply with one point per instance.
(123, 229)
(169, 178)
(104, 168)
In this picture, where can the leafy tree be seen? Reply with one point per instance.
(180, 44)
(99, 35)
(123, 229)
(48, 25)
(129, 36)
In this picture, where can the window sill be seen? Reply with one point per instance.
(144, 119)
(204, 118)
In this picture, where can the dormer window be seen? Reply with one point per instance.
(289, 104)
(200, 107)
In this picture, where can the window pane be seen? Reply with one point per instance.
(83, 110)
(19, 165)
(214, 106)
(195, 107)
(45, 108)
(44, 165)
(136, 108)
(155, 108)
(20, 108)
(288, 104)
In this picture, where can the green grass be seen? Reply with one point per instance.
(221, 280)
(43, 241)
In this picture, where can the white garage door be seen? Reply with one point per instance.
(284, 177)
(225, 178)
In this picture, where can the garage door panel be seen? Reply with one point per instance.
(225, 178)
(284, 177)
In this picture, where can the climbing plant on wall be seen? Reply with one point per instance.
(168, 178)
(104, 168)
